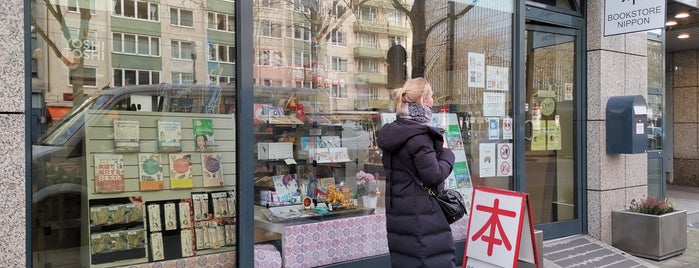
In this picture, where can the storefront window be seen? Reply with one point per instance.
(322, 94)
(139, 166)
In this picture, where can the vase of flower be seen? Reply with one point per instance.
(367, 189)
(370, 201)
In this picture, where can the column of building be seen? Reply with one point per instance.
(616, 66)
(12, 133)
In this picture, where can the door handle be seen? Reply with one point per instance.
(531, 130)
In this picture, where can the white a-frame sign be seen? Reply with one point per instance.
(500, 230)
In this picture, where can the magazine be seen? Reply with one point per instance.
(203, 135)
(109, 173)
(150, 172)
(169, 136)
(126, 136)
(181, 171)
(212, 170)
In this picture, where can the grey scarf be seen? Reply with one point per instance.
(417, 112)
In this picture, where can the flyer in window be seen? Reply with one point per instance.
(150, 172)
(203, 135)
(169, 136)
(109, 173)
(181, 171)
(126, 136)
(212, 170)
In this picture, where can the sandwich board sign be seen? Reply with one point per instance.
(500, 230)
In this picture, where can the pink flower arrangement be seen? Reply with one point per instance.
(366, 183)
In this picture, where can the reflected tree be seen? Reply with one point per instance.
(73, 59)
(422, 28)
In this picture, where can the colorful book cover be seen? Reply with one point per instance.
(169, 136)
(286, 186)
(212, 170)
(109, 173)
(181, 171)
(126, 136)
(462, 175)
(323, 184)
(203, 135)
(150, 172)
(181, 105)
(329, 142)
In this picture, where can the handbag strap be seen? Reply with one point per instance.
(418, 181)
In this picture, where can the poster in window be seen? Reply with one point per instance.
(212, 170)
(538, 142)
(126, 136)
(150, 172)
(181, 171)
(476, 70)
(487, 160)
(554, 135)
(169, 136)
(109, 173)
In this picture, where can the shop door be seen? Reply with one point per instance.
(552, 129)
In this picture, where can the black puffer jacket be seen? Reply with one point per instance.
(418, 233)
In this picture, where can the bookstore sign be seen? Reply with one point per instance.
(628, 16)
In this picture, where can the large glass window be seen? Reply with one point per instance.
(135, 165)
(317, 113)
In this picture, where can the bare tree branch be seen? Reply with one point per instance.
(455, 17)
(52, 45)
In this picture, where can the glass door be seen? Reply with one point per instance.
(552, 128)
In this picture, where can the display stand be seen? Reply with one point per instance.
(120, 188)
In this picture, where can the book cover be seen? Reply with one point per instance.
(109, 173)
(212, 170)
(329, 142)
(126, 136)
(150, 172)
(181, 105)
(181, 171)
(286, 186)
(323, 184)
(203, 135)
(169, 136)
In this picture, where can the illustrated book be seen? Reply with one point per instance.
(181, 171)
(169, 136)
(126, 136)
(150, 172)
(109, 173)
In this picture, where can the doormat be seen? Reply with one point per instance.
(582, 251)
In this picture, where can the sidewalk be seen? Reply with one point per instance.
(584, 251)
(686, 198)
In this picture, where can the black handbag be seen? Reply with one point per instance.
(450, 201)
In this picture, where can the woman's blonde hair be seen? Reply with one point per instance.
(414, 90)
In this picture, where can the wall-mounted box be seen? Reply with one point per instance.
(626, 124)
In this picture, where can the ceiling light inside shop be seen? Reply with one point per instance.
(683, 36)
(671, 23)
(682, 15)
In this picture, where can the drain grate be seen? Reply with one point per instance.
(583, 251)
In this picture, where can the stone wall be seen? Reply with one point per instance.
(686, 123)
(13, 234)
(616, 66)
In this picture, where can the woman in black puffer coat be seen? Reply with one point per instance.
(418, 233)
